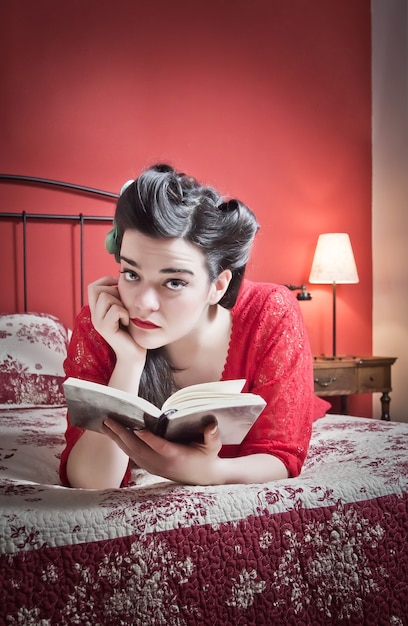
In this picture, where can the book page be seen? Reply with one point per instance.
(212, 402)
(204, 390)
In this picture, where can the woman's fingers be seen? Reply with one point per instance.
(212, 437)
(123, 437)
(107, 284)
(161, 446)
(111, 311)
(107, 310)
(192, 464)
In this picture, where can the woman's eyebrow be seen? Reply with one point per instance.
(132, 263)
(176, 270)
(166, 270)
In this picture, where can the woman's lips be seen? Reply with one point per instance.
(143, 324)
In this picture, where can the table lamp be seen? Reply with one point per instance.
(333, 264)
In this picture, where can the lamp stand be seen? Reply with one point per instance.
(334, 319)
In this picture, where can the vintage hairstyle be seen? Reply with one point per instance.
(163, 203)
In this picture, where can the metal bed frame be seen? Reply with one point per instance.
(81, 219)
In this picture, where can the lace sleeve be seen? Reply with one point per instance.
(278, 367)
(89, 356)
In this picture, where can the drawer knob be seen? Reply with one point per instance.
(325, 382)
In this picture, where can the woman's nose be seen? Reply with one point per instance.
(147, 299)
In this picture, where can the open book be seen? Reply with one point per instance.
(181, 418)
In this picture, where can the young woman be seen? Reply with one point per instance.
(180, 313)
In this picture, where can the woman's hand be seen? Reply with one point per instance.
(110, 318)
(195, 464)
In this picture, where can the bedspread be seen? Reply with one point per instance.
(328, 547)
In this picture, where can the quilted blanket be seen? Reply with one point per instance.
(329, 547)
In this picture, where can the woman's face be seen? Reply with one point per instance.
(165, 287)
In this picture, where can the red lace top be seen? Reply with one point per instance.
(269, 347)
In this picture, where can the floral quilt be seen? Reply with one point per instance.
(328, 547)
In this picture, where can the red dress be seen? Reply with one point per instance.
(269, 347)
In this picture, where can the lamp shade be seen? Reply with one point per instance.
(333, 260)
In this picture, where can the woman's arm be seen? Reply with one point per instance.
(95, 461)
(196, 464)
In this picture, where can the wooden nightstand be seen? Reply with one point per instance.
(344, 376)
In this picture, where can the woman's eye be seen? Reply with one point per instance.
(175, 284)
(129, 275)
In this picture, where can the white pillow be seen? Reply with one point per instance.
(33, 347)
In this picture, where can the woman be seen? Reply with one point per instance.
(180, 313)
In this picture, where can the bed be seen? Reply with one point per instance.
(328, 547)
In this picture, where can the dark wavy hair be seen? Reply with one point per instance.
(163, 203)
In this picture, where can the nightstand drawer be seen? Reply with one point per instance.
(335, 381)
(374, 379)
(344, 376)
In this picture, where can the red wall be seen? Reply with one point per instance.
(267, 100)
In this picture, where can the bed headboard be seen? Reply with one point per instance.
(21, 232)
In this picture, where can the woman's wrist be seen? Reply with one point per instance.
(126, 375)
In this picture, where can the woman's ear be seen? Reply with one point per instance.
(220, 286)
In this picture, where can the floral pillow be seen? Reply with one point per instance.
(33, 347)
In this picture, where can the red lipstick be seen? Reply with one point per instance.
(144, 324)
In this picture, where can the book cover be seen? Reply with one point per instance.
(182, 417)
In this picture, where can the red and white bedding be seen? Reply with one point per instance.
(329, 547)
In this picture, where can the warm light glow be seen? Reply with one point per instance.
(333, 260)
